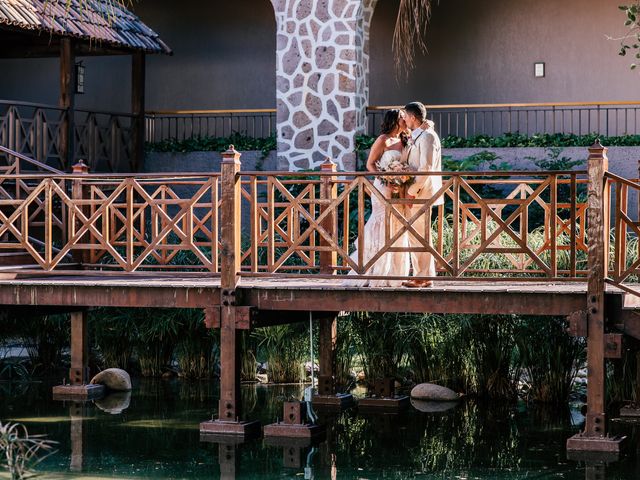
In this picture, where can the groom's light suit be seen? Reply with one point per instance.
(424, 156)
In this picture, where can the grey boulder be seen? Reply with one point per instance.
(114, 379)
(434, 393)
(429, 406)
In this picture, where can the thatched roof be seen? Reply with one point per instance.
(101, 22)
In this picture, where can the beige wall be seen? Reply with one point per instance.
(478, 52)
(484, 51)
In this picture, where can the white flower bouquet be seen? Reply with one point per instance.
(395, 165)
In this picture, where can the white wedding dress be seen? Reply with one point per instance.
(394, 264)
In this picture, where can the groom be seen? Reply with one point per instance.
(424, 156)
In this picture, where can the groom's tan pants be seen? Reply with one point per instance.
(423, 263)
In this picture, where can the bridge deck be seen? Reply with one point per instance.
(293, 294)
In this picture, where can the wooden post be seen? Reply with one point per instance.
(327, 340)
(79, 372)
(77, 193)
(328, 332)
(137, 109)
(79, 388)
(66, 146)
(597, 258)
(594, 437)
(229, 407)
(328, 191)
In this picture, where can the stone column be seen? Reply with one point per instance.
(322, 80)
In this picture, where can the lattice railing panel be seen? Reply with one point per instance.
(503, 224)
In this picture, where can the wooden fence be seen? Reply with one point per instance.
(42, 132)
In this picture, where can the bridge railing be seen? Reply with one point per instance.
(499, 224)
(112, 222)
(623, 223)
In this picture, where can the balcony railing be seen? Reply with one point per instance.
(578, 118)
(102, 139)
(188, 124)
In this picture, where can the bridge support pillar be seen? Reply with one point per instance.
(79, 387)
(595, 438)
(229, 422)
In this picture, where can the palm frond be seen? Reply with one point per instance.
(409, 34)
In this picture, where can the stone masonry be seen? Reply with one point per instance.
(321, 80)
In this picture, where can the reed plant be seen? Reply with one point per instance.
(22, 451)
(550, 358)
(284, 349)
(379, 342)
(197, 351)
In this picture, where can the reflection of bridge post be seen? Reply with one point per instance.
(594, 437)
(77, 413)
(228, 458)
(228, 315)
(595, 471)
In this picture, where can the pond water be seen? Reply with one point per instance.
(157, 437)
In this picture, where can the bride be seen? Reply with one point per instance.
(388, 146)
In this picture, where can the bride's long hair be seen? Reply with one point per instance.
(391, 122)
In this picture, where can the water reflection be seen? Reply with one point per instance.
(157, 437)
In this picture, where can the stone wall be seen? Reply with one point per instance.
(321, 79)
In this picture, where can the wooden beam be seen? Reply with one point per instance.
(414, 301)
(56, 294)
(67, 100)
(138, 75)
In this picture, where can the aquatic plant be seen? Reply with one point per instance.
(22, 451)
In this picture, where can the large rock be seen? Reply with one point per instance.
(434, 393)
(114, 379)
(429, 406)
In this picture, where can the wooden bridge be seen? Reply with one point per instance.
(260, 248)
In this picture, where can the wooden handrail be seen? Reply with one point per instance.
(375, 108)
(30, 160)
(210, 112)
(511, 105)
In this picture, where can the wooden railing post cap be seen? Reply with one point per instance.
(597, 149)
(80, 168)
(328, 166)
(231, 155)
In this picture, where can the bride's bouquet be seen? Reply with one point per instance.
(394, 164)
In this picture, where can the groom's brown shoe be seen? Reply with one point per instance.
(417, 283)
